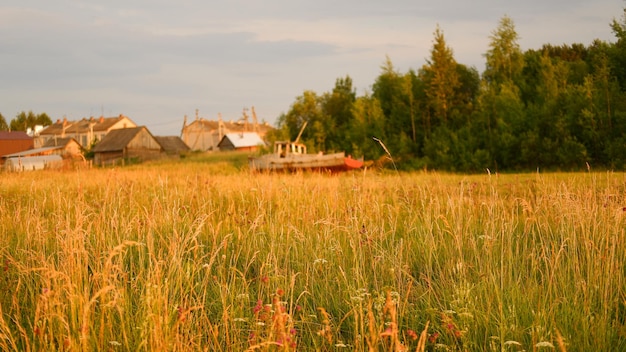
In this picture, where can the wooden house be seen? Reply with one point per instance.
(127, 143)
(248, 141)
(84, 131)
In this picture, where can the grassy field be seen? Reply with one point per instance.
(199, 255)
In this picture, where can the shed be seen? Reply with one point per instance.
(66, 147)
(15, 141)
(172, 145)
(249, 141)
(29, 163)
(127, 143)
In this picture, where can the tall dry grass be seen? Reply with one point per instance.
(189, 257)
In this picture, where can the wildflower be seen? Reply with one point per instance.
(114, 343)
(412, 334)
(280, 292)
(433, 337)
(320, 261)
(387, 332)
(544, 344)
(265, 279)
(258, 307)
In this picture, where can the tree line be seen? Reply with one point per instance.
(24, 121)
(557, 108)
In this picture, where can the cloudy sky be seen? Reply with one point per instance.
(159, 60)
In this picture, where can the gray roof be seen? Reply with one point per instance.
(118, 139)
(172, 144)
(243, 139)
(58, 142)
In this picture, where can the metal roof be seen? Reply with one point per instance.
(31, 152)
(14, 135)
(243, 139)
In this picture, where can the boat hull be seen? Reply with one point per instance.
(292, 162)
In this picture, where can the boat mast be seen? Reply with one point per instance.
(301, 130)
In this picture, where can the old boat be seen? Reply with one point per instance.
(291, 156)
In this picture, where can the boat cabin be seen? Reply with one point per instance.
(284, 148)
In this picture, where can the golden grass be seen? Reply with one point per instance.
(194, 256)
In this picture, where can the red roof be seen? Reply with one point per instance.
(14, 136)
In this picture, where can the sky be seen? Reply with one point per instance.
(157, 61)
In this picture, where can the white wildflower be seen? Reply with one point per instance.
(544, 344)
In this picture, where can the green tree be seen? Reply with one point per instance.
(307, 108)
(618, 54)
(504, 59)
(23, 121)
(441, 78)
(390, 89)
(3, 124)
(368, 122)
(501, 106)
(337, 105)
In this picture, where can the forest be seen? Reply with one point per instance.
(559, 108)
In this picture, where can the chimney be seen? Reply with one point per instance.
(101, 120)
(64, 127)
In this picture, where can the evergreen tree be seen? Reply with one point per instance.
(3, 124)
(441, 79)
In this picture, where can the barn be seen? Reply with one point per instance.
(249, 141)
(135, 143)
(14, 142)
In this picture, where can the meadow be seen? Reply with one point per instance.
(206, 256)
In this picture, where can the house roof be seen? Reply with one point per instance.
(59, 142)
(118, 139)
(84, 125)
(211, 125)
(243, 139)
(172, 144)
(14, 135)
